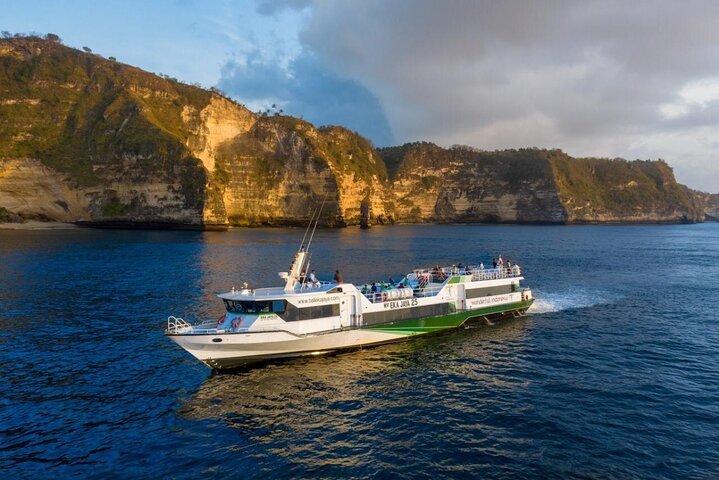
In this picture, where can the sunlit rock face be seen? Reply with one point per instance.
(432, 184)
(532, 185)
(709, 203)
(89, 139)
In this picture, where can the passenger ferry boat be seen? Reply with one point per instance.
(305, 318)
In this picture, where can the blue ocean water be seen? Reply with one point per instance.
(615, 374)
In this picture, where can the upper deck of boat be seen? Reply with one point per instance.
(277, 292)
(424, 282)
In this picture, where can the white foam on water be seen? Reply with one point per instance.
(557, 301)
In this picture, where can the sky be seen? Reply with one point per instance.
(602, 78)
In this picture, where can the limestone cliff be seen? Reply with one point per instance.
(462, 184)
(88, 139)
(709, 204)
(533, 185)
(83, 138)
(596, 190)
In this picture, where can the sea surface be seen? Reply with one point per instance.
(614, 374)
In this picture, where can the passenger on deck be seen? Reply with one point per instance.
(455, 270)
(313, 279)
(494, 263)
(435, 273)
(375, 288)
(481, 266)
(338, 277)
(500, 262)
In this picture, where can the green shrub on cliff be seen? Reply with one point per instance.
(72, 109)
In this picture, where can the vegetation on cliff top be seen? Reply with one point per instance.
(72, 109)
(595, 185)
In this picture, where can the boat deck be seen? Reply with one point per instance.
(422, 282)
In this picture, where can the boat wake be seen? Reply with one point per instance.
(555, 302)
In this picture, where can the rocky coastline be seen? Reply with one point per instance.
(90, 141)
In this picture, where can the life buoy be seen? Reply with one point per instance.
(222, 319)
(384, 296)
(236, 322)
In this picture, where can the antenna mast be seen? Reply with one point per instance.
(302, 255)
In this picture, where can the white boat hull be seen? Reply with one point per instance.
(224, 350)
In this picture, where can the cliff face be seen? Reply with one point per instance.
(85, 139)
(709, 203)
(464, 185)
(270, 173)
(533, 185)
(601, 190)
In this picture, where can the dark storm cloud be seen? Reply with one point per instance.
(307, 89)
(593, 77)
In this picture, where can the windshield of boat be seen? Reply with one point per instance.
(248, 306)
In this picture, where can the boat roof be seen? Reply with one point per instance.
(270, 293)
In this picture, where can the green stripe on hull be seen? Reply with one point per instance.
(420, 326)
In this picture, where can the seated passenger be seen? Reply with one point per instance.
(313, 279)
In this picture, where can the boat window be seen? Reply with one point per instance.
(247, 306)
(294, 314)
(388, 316)
(321, 311)
(487, 291)
(278, 306)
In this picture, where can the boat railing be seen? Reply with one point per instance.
(177, 325)
(309, 286)
(275, 291)
(427, 291)
(421, 292)
(496, 273)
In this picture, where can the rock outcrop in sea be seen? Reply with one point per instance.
(90, 140)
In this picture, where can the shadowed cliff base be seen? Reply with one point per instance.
(92, 141)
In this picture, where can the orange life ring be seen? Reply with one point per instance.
(236, 322)
(222, 319)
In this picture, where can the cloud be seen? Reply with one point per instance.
(272, 7)
(308, 89)
(599, 77)
(693, 100)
